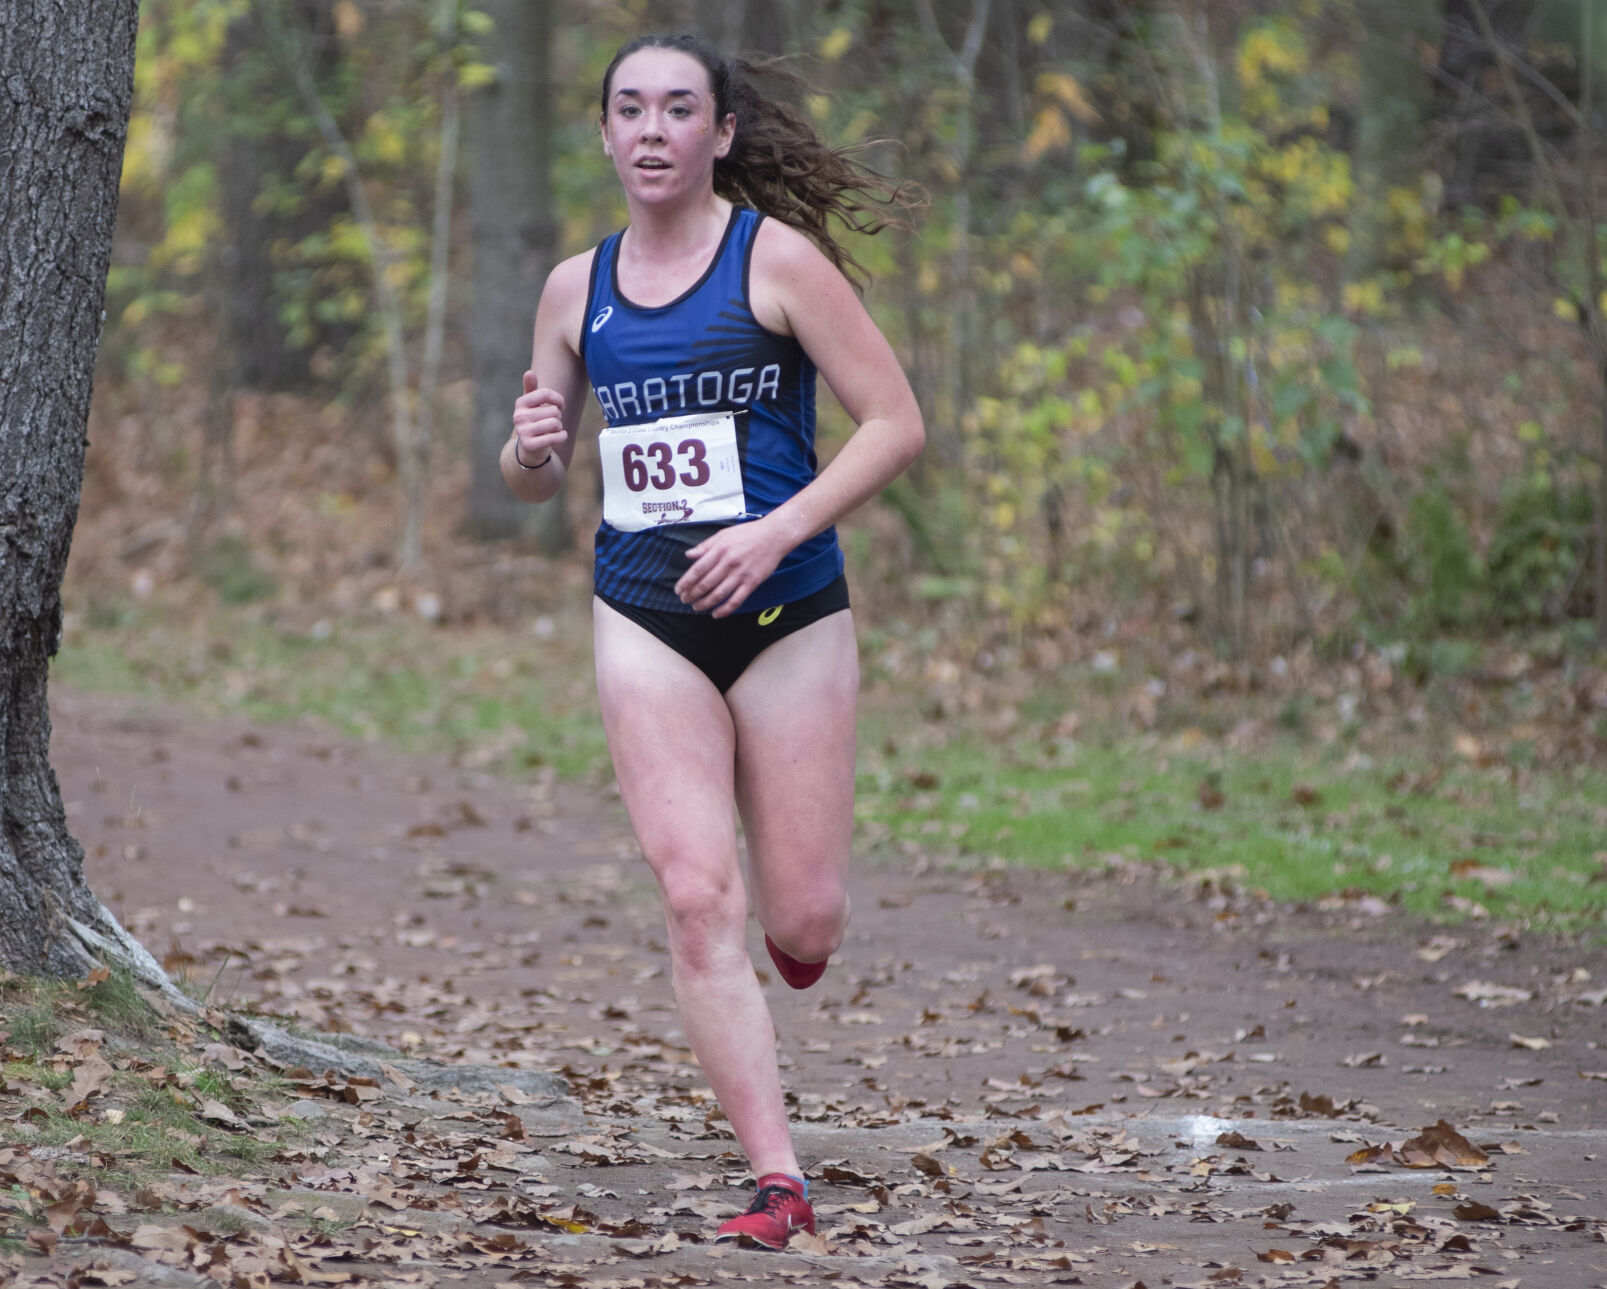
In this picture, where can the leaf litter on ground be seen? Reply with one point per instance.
(1024, 1106)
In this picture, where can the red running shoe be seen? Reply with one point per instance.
(800, 975)
(777, 1211)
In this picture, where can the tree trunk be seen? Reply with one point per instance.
(249, 159)
(515, 234)
(772, 28)
(1393, 107)
(1482, 151)
(720, 21)
(1600, 583)
(290, 49)
(962, 63)
(1594, 281)
(68, 69)
(442, 204)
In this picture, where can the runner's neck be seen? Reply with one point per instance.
(666, 243)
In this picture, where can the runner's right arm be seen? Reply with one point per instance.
(547, 415)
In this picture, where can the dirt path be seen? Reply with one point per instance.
(1006, 1078)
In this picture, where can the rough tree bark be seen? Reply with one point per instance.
(66, 78)
(515, 235)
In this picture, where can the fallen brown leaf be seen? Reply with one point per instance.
(88, 1079)
(1441, 1146)
(808, 1242)
(96, 976)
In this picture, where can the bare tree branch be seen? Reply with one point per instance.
(1520, 109)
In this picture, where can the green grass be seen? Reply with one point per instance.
(211, 1085)
(1295, 820)
(158, 1127)
(149, 1140)
(18, 1211)
(28, 1072)
(1442, 837)
(153, 1125)
(500, 698)
(117, 1003)
(34, 1028)
(37, 1012)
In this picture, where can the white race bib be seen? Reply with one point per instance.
(674, 471)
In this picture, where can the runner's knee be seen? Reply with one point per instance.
(706, 913)
(811, 933)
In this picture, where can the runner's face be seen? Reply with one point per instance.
(660, 128)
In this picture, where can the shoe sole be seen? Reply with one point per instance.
(763, 1244)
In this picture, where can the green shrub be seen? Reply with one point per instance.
(1441, 566)
(1535, 552)
(228, 568)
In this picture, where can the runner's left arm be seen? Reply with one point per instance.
(794, 283)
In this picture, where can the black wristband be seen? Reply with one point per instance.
(522, 465)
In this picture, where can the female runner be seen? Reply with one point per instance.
(726, 664)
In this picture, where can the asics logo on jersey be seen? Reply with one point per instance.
(604, 316)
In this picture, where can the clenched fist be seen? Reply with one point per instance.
(538, 422)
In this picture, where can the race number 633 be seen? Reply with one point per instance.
(654, 464)
(676, 470)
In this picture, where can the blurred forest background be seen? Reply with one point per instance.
(1262, 345)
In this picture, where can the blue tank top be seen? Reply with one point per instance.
(705, 352)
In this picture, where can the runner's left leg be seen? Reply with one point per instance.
(794, 714)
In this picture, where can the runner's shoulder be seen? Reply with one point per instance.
(779, 247)
(563, 298)
(570, 279)
(789, 273)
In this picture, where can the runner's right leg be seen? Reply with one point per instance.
(674, 750)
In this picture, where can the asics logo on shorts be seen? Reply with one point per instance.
(604, 316)
(770, 615)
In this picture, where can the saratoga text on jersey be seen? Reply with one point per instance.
(688, 391)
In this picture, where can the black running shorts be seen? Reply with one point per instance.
(722, 648)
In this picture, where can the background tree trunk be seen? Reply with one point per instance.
(68, 69)
(249, 158)
(1484, 153)
(738, 27)
(1396, 95)
(961, 64)
(515, 234)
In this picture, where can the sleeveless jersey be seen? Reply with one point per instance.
(705, 352)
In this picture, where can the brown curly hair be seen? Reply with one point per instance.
(778, 164)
